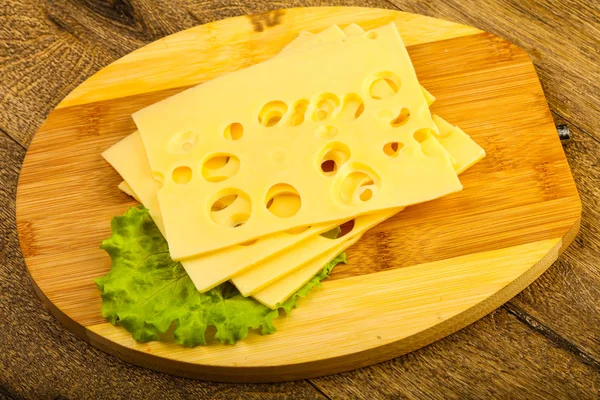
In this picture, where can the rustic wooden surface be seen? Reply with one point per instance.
(430, 264)
(543, 343)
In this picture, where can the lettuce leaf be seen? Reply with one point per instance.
(147, 293)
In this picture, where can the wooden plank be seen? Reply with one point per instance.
(497, 357)
(483, 83)
(28, 18)
(566, 298)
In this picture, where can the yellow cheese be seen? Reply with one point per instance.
(276, 293)
(353, 29)
(125, 188)
(306, 40)
(128, 158)
(428, 96)
(302, 37)
(273, 268)
(257, 131)
(212, 269)
(463, 149)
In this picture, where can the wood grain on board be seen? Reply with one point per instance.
(50, 47)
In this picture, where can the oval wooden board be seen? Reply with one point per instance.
(419, 276)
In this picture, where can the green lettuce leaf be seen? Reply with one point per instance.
(147, 293)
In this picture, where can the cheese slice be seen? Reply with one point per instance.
(306, 40)
(276, 293)
(353, 29)
(463, 149)
(273, 268)
(125, 188)
(212, 269)
(272, 153)
(128, 158)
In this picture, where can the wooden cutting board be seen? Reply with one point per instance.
(427, 272)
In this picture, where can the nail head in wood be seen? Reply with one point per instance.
(564, 133)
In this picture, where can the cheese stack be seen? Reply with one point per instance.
(243, 174)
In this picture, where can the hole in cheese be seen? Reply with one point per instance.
(183, 142)
(429, 145)
(327, 132)
(325, 105)
(401, 118)
(298, 114)
(391, 149)
(358, 185)
(346, 228)
(334, 156)
(182, 175)
(366, 194)
(383, 85)
(328, 166)
(271, 113)
(352, 107)
(283, 200)
(421, 135)
(234, 131)
(232, 208)
(223, 202)
(219, 167)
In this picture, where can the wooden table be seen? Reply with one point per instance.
(544, 343)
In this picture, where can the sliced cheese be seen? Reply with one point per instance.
(273, 153)
(273, 268)
(458, 144)
(125, 188)
(276, 293)
(128, 158)
(428, 96)
(353, 29)
(463, 149)
(212, 269)
(306, 40)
